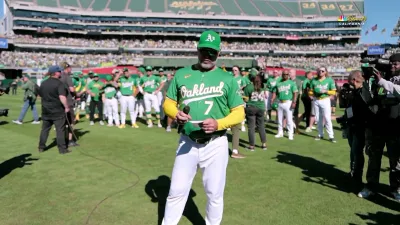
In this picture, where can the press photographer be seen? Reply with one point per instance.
(355, 97)
(383, 129)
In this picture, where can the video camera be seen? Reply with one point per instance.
(345, 96)
(372, 65)
(4, 112)
(4, 90)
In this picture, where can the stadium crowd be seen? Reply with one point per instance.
(175, 44)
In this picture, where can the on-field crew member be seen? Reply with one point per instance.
(215, 105)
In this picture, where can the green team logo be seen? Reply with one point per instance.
(150, 83)
(210, 38)
(200, 92)
(322, 86)
(109, 90)
(284, 89)
(127, 84)
(381, 91)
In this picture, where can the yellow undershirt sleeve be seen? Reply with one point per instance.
(332, 92)
(311, 93)
(235, 117)
(170, 108)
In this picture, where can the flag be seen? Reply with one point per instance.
(383, 30)
(374, 27)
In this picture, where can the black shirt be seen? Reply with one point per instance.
(49, 91)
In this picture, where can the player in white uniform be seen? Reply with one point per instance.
(139, 104)
(128, 92)
(111, 103)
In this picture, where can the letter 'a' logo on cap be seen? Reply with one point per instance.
(210, 38)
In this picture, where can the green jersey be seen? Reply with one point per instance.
(318, 86)
(150, 83)
(271, 83)
(284, 90)
(256, 99)
(126, 85)
(96, 88)
(163, 79)
(306, 86)
(245, 81)
(209, 94)
(110, 91)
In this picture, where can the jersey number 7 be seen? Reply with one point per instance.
(210, 105)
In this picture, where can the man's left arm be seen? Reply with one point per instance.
(332, 88)
(160, 86)
(236, 105)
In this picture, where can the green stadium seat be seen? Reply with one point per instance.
(85, 3)
(348, 8)
(99, 5)
(137, 6)
(280, 9)
(293, 7)
(360, 6)
(69, 3)
(309, 8)
(48, 3)
(157, 6)
(117, 5)
(329, 9)
(230, 7)
(248, 8)
(265, 8)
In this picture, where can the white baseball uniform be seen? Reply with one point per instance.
(112, 111)
(128, 103)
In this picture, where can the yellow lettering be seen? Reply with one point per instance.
(328, 7)
(192, 4)
(348, 7)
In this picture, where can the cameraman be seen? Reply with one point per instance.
(29, 101)
(387, 133)
(356, 117)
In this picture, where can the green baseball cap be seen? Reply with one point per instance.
(210, 39)
(126, 70)
(141, 69)
(108, 78)
(95, 75)
(253, 72)
(149, 68)
(161, 70)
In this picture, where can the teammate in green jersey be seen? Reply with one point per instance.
(151, 85)
(163, 79)
(111, 103)
(139, 106)
(322, 88)
(127, 100)
(307, 102)
(285, 91)
(271, 83)
(95, 90)
(215, 105)
(255, 95)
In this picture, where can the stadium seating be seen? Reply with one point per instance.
(281, 8)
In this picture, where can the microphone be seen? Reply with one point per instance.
(186, 110)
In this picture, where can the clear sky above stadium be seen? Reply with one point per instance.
(2, 8)
(385, 13)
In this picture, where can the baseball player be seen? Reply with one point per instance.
(139, 104)
(127, 85)
(163, 79)
(111, 103)
(151, 85)
(215, 105)
(271, 83)
(286, 91)
(95, 90)
(322, 88)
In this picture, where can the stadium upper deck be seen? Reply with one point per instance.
(270, 8)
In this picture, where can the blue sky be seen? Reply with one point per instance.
(1, 8)
(385, 13)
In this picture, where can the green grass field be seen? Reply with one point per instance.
(298, 182)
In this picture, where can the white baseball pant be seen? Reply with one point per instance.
(284, 111)
(83, 105)
(112, 111)
(314, 111)
(323, 107)
(128, 102)
(151, 101)
(160, 98)
(139, 106)
(212, 159)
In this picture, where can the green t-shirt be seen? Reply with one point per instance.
(126, 85)
(245, 81)
(110, 91)
(96, 87)
(272, 81)
(163, 79)
(209, 94)
(306, 86)
(317, 86)
(150, 83)
(256, 99)
(284, 90)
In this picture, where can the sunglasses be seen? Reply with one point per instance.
(285, 74)
(208, 52)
